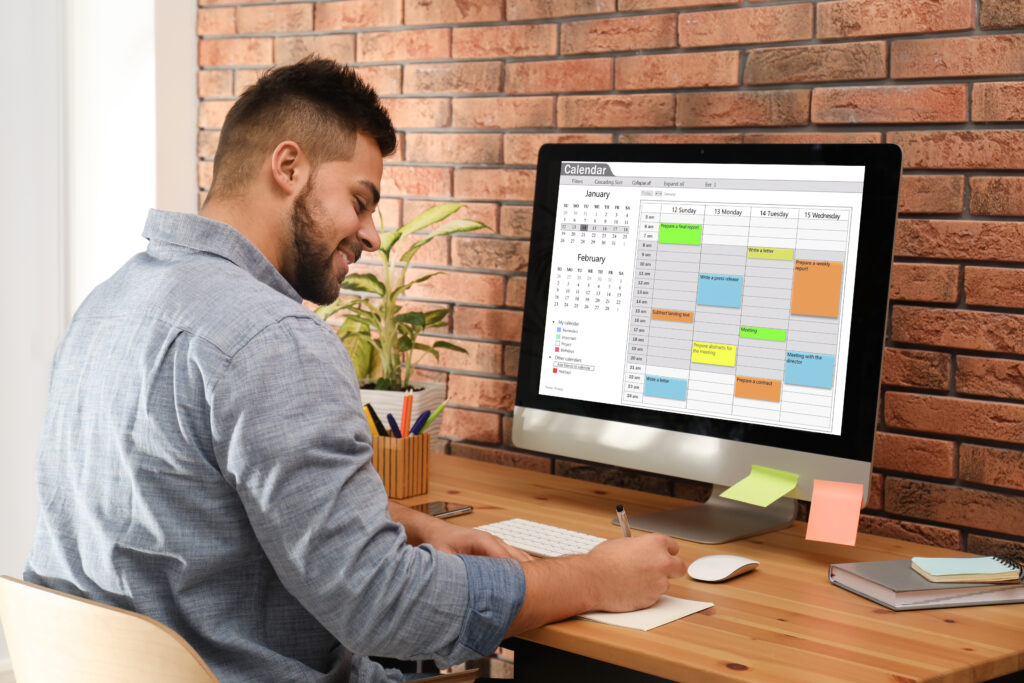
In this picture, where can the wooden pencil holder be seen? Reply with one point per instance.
(403, 464)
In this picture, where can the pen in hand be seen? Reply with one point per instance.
(623, 521)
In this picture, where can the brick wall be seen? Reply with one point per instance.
(476, 86)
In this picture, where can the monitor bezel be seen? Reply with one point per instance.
(882, 163)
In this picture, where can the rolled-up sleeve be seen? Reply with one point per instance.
(291, 438)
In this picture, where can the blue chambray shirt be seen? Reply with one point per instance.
(205, 461)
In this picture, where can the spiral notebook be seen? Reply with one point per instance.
(991, 569)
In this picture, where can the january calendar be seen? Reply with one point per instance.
(710, 289)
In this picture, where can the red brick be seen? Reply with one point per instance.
(232, 51)
(207, 143)
(958, 57)
(925, 282)
(914, 532)
(503, 112)
(914, 455)
(997, 287)
(419, 112)
(523, 148)
(386, 79)
(680, 138)
(215, 83)
(998, 149)
(990, 420)
(515, 292)
(613, 476)
(684, 70)
(916, 369)
(417, 181)
(391, 209)
(396, 46)
(276, 18)
(290, 49)
(616, 111)
(932, 194)
(984, 510)
(813, 138)
(494, 183)
(890, 104)
(483, 212)
(510, 362)
(486, 323)
(500, 456)
(490, 253)
(471, 425)
(559, 75)
(519, 10)
(204, 172)
(453, 11)
(1002, 13)
(955, 328)
(524, 40)
(246, 77)
(994, 196)
(997, 101)
(212, 22)
(337, 16)
(772, 24)
(997, 377)
(863, 18)
(453, 77)
(963, 240)
(481, 392)
(748, 108)
(840, 62)
(627, 5)
(212, 112)
(516, 221)
(875, 495)
(986, 545)
(454, 148)
(648, 32)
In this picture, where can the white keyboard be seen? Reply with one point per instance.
(542, 540)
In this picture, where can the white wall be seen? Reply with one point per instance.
(98, 124)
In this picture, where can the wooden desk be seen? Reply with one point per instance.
(782, 622)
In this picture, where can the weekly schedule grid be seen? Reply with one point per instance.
(720, 290)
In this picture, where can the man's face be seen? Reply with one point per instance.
(332, 221)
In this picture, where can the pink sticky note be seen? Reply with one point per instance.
(835, 512)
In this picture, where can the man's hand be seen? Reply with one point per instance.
(422, 528)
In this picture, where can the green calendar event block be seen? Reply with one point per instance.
(679, 233)
(766, 333)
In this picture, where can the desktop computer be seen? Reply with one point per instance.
(694, 310)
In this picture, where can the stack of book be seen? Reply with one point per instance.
(932, 582)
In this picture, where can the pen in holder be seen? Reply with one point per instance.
(403, 464)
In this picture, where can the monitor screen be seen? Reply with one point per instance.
(701, 309)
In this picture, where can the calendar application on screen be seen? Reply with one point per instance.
(719, 290)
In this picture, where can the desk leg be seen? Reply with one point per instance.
(541, 664)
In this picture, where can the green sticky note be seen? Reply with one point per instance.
(763, 486)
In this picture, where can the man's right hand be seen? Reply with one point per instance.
(633, 572)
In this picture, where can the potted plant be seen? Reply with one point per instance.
(382, 338)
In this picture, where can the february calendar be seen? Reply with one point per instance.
(720, 290)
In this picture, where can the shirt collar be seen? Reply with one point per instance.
(213, 237)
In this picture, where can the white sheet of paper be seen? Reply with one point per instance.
(666, 609)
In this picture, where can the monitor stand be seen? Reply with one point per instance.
(719, 520)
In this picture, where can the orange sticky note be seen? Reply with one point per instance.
(835, 512)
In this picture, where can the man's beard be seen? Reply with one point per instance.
(313, 274)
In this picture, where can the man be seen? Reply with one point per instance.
(205, 460)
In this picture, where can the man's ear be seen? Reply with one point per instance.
(289, 167)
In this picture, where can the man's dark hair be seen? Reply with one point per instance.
(317, 103)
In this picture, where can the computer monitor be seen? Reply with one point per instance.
(694, 310)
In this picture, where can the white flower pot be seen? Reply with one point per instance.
(425, 396)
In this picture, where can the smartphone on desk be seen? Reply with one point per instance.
(441, 508)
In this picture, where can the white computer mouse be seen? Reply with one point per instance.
(716, 568)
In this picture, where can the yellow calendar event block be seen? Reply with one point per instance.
(713, 354)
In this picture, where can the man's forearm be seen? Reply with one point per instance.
(556, 589)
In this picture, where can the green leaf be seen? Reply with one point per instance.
(327, 310)
(461, 225)
(449, 345)
(428, 349)
(436, 316)
(416, 319)
(364, 282)
(407, 285)
(430, 216)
